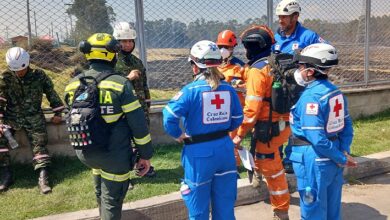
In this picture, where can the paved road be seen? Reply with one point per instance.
(369, 200)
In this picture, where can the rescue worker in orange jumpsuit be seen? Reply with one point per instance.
(232, 69)
(271, 129)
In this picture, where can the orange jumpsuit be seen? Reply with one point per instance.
(258, 85)
(234, 70)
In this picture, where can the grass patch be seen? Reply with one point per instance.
(372, 134)
(73, 187)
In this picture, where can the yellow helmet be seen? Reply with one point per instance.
(100, 46)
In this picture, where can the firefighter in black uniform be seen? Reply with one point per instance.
(120, 109)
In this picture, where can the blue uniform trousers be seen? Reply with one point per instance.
(324, 177)
(210, 172)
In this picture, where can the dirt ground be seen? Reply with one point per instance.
(367, 200)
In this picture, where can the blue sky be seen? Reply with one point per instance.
(48, 12)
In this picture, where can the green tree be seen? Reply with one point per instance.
(93, 16)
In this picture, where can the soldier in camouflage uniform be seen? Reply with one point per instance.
(132, 68)
(21, 91)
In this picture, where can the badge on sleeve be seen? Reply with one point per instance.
(295, 46)
(312, 108)
(336, 114)
(177, 96)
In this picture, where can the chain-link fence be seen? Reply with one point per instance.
(50, 30)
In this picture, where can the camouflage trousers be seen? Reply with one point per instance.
(35, 127)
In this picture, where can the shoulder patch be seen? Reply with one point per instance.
(177, 96)
(295, 46)
(312, 108)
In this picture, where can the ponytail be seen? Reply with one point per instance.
(213, 77)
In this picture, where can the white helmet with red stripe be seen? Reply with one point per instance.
(17, 59)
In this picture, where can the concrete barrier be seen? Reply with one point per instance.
(362, 102)
(171, 206)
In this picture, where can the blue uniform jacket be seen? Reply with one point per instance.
(203, 110)
(299, 39)
(320, 114)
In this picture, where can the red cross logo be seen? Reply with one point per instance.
(217, 101)
(338, 106)
(311, 106)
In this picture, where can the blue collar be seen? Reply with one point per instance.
(315, 83)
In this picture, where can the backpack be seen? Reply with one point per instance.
(285, 91)
(87, 129)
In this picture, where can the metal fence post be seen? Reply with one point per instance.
(28, 24)
(139, 22)
(270, 13)
(367, 43)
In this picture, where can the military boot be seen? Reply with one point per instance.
(6, 179)
(43, 181)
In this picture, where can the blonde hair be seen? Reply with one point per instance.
(213, 77)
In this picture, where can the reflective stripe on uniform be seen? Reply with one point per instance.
(2, 150)
(255, 98)
(111, 118)
(322, 159)
(277, 174)
(198, 184)
(131, 106)
(327, 95)
(312, 128)
(227, 172)
(72, 86)
(277, 193)
(144, 140)
(170, 111)
(58, 108)
(238, 116)
(249, 120)
(96, 172)
(110, 85)
(111, 176)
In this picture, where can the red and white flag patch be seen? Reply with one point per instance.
(312, 108)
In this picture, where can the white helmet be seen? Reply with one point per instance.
(17, 59)
(124, 31)
(287, 7)
(319, 55)
(205, 54)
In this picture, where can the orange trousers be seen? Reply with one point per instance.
(273, 171)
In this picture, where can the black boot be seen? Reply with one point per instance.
(43, 181)
(6, 179)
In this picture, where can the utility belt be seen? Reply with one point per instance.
(295, 141)
(205, 137)
(265, 130)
